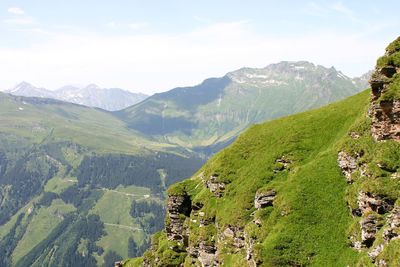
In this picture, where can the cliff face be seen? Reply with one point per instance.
(376, 207)
(320, 188)
(385, 106)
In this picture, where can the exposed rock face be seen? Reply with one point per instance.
(177, 208)
(207, 255)
(282, 164)
(369, 227)
(348, 164)
(385, 114)
(263, 200)
(237, 236)
(215, 187)
(375, 252)
(393, 230)
(369, 202)
(386, 120)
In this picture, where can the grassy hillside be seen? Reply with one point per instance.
(309, 222)
(66, 168)
(38, 120)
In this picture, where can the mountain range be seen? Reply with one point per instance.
(210, 115)
(92, 95)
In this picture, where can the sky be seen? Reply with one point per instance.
(153, 46)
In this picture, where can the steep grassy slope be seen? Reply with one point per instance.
(218, 109)
(307, 223)
(315, 189)
(64, 167)
(309, 218)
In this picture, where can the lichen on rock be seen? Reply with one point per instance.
(385, 107)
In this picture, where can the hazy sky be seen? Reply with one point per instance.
(153, 46)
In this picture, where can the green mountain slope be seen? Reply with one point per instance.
(68, 177)
(314, 189)
(217, 110)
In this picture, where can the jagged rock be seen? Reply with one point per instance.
(236, 234)
(249, 251)
(207, 255)
(178, 207)
(283, 163)
(381, 263)
(368, 230)
(375, 252)
(215, 187)
(369, 202)
(262, 200)
(386, 120)
(393, 230)
(385, 114)
(228, 232)
(347, 164)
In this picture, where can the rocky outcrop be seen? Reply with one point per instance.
(207, 255)
(250, 242)
(215, 187)
(375, 252)
(347, 164)
(386, 120)
(369, 205)
(178, 207)
(385, 112)
(213, 184)
(282, 163)
(264, 199)
(393, 229)
(368, 202)
(236, 235)
(369, 228)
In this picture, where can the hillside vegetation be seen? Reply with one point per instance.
(69, 176)
(315, 189)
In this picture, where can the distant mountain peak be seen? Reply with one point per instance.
(21, 85)
(92, 95)
(93, 86)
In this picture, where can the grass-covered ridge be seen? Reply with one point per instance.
(310, 221)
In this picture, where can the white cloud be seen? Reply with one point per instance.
(111, 24)
(16, 11)
(20, 21)
(157, 62)
(137, 25)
